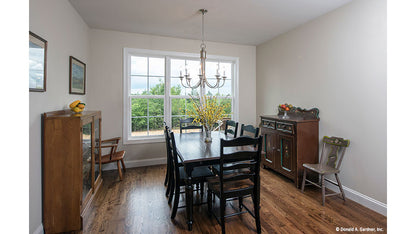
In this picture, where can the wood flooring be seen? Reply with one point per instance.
(138, 205)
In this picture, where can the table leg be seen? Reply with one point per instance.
(189, 197)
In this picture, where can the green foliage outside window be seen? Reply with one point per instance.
(145, 111)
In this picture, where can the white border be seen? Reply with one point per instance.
(167, 54)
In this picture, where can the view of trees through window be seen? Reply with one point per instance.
(150, 102)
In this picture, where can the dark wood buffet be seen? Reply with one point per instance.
(290, 141)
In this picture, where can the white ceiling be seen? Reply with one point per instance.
(249, 22)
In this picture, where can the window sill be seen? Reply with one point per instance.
(147, 140)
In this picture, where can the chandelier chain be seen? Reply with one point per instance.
(203, 30)
(202, 76)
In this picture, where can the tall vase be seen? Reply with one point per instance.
(208, 135)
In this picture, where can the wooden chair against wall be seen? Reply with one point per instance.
(185, 124)
(231, 127)
(243, 181)
(250, 129)
(113, 155)
(333, 151)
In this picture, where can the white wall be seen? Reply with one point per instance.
(337, 63)
(105, 89)
(67, 34)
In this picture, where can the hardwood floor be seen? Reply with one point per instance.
(138, 205)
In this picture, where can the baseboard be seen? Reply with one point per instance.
(360, 198)
(39, 230)
(136, 163)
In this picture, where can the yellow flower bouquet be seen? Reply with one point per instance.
(208, 112)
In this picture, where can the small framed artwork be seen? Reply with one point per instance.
(77, 76)
(37, 63)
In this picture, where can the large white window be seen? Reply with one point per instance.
(153, 93)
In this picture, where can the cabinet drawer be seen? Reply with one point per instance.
(268, 124)
(285, 127)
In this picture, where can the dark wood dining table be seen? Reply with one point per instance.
(194, 152)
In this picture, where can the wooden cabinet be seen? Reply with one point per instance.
(71, 167)
(290, 142)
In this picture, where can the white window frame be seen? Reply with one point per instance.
(168, 55)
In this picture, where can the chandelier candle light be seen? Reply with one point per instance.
(202, 78)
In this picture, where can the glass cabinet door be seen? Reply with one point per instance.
(97, 152)
(86, 159)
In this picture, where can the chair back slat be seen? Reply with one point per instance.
(239, 156)
(192, 127)
(333, 151)
(338, 141)
(231, 127)
(188, 123)
(113, 143)
(249, 130)
(249, 164)
(240, 176)
(241, 141)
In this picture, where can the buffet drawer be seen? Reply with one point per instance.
(268, 124)
(285, 127)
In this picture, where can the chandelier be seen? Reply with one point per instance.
(202, 78)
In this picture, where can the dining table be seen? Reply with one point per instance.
(193, 151)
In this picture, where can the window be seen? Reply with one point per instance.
(153, 93)
(147, 94)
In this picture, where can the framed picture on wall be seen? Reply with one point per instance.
(77, 76)
(37, 63)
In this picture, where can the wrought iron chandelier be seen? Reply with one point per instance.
(202, 78)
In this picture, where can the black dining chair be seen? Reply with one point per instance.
(185, 124)
(242, 182)
(246, 130)
(231, 127)
(199, 175)
(169, 171)
(169, 177)
(249, 130)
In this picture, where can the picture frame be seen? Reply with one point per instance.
(77, 76)
(38, 48)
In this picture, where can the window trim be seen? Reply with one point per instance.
(167, 55)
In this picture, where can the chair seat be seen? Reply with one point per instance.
(198, 172)
(229, 186)
(117, 156)
(321, 169)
